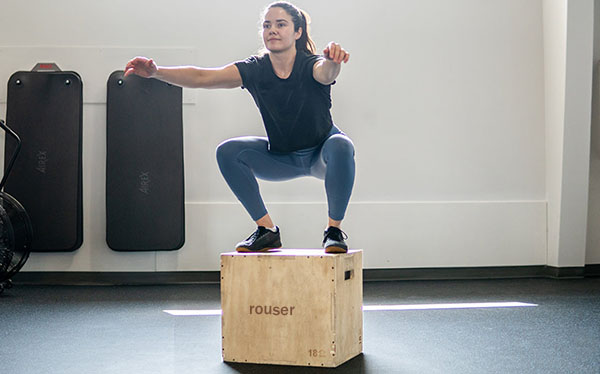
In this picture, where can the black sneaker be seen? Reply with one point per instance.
(333, 242)
(261, 240)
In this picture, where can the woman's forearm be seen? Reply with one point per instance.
(328, 71)
(195, 77)
(184, 76)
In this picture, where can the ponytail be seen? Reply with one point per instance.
(305, 43)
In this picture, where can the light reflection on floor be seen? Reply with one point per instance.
(511, 304)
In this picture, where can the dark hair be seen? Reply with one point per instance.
(300, 19)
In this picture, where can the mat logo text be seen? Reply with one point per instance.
(145, 182)
(42, 160)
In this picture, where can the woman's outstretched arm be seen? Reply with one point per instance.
(227, 76)
(326, 71)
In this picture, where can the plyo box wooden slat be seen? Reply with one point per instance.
(291, 307)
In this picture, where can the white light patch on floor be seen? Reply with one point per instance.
(447, 306)
(217, 312)
(208, 312)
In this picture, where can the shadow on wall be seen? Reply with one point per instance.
(593, 237)
(595, 134)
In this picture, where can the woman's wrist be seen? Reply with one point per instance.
(158, 73)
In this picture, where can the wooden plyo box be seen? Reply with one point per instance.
(292, 307)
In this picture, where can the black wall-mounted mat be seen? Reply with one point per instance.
(45, 109)
(144, 165)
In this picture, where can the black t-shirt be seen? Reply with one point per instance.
(295, 110)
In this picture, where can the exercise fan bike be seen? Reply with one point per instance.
(15, 226)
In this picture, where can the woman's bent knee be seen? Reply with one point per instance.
(226, 150)
(339, 145)
(225, 153)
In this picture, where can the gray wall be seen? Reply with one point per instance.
(444, 100)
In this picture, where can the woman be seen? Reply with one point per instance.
(291, 87)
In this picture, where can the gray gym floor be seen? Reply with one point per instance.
(77, 329)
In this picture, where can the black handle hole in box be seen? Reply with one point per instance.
(348, 274)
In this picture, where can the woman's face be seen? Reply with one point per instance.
(278, 31)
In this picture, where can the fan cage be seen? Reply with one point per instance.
(15, 236)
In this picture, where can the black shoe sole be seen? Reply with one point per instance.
(265, 249)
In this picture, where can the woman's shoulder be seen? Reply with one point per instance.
(309, 56)
(251, 62)
(255, 59)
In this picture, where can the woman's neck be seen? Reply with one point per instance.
(283, 62)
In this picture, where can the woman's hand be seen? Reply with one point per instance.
(334, 52)
(142, 66)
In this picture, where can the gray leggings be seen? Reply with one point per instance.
(246, 158)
